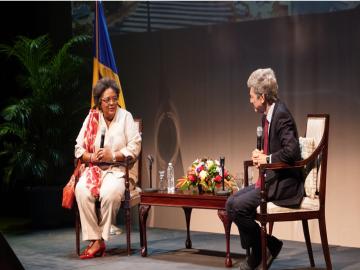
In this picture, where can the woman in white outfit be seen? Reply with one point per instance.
(99, 182)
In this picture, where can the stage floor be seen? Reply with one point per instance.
(55, 249)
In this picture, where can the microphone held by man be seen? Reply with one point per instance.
(259, 135)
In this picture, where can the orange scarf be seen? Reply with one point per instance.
(93, 174)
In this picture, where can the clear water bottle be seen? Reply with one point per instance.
(170, 178)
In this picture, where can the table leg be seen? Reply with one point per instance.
(143, 214)
(187, 211)
(227, 226)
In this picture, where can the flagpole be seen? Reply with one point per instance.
(97, 30)
(95, 62)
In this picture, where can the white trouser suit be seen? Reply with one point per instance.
(111, 193)
(121, 135)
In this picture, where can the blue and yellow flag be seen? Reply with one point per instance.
(104, 61)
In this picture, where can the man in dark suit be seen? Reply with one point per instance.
(285, 188)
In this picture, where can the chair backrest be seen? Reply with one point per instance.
(135, 171)
(318, 129)
(315, 128)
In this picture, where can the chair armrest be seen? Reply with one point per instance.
(126, 163)
(296, 164)
(282, 166)
(276, 166)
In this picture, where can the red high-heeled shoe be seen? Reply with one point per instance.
(87, 248)
(98, 252)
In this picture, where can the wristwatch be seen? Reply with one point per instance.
(113, 156)
(267, 159)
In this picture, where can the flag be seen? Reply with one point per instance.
(104, 61)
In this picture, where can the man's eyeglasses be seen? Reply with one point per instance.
(109, 99)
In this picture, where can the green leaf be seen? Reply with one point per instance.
(19, 112)
(185, 186)
(38, 128)
(12, 129)
(7, 174)
(55, 108)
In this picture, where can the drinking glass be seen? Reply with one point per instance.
(162, 181)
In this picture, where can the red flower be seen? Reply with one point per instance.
(192, 178)
(217, 179)
(226, 173)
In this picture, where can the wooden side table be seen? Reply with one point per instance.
(187, 202)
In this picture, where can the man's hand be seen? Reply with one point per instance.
(258, 157)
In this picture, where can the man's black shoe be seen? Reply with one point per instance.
(274, 246)
(253, 261)
(250, 263)
(245, 266)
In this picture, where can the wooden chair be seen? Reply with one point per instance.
(131, 198)
(313, 205)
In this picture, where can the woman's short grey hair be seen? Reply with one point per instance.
(101, 86)
(263, 81)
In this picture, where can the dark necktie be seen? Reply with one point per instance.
(266, 145)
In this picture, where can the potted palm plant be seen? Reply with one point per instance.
(37, 130)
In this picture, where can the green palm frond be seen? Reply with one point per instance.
(35, 133)
(26, 161)
(58, 60)
(12, 129)
(55, 108)
(57, 157)
(18, 112)
(8, 171)
(31, 53)
(39, 168)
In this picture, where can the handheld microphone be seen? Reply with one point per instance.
(259, 134)
(103, 130)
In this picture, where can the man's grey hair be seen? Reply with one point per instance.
(263, 81)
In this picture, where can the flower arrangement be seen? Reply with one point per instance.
(206, 173)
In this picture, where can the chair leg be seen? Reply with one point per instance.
(271, 226)
(324, 242)
(128, 230)
(308, 241)
(263, 246)
(77, 231)
(140, 230)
